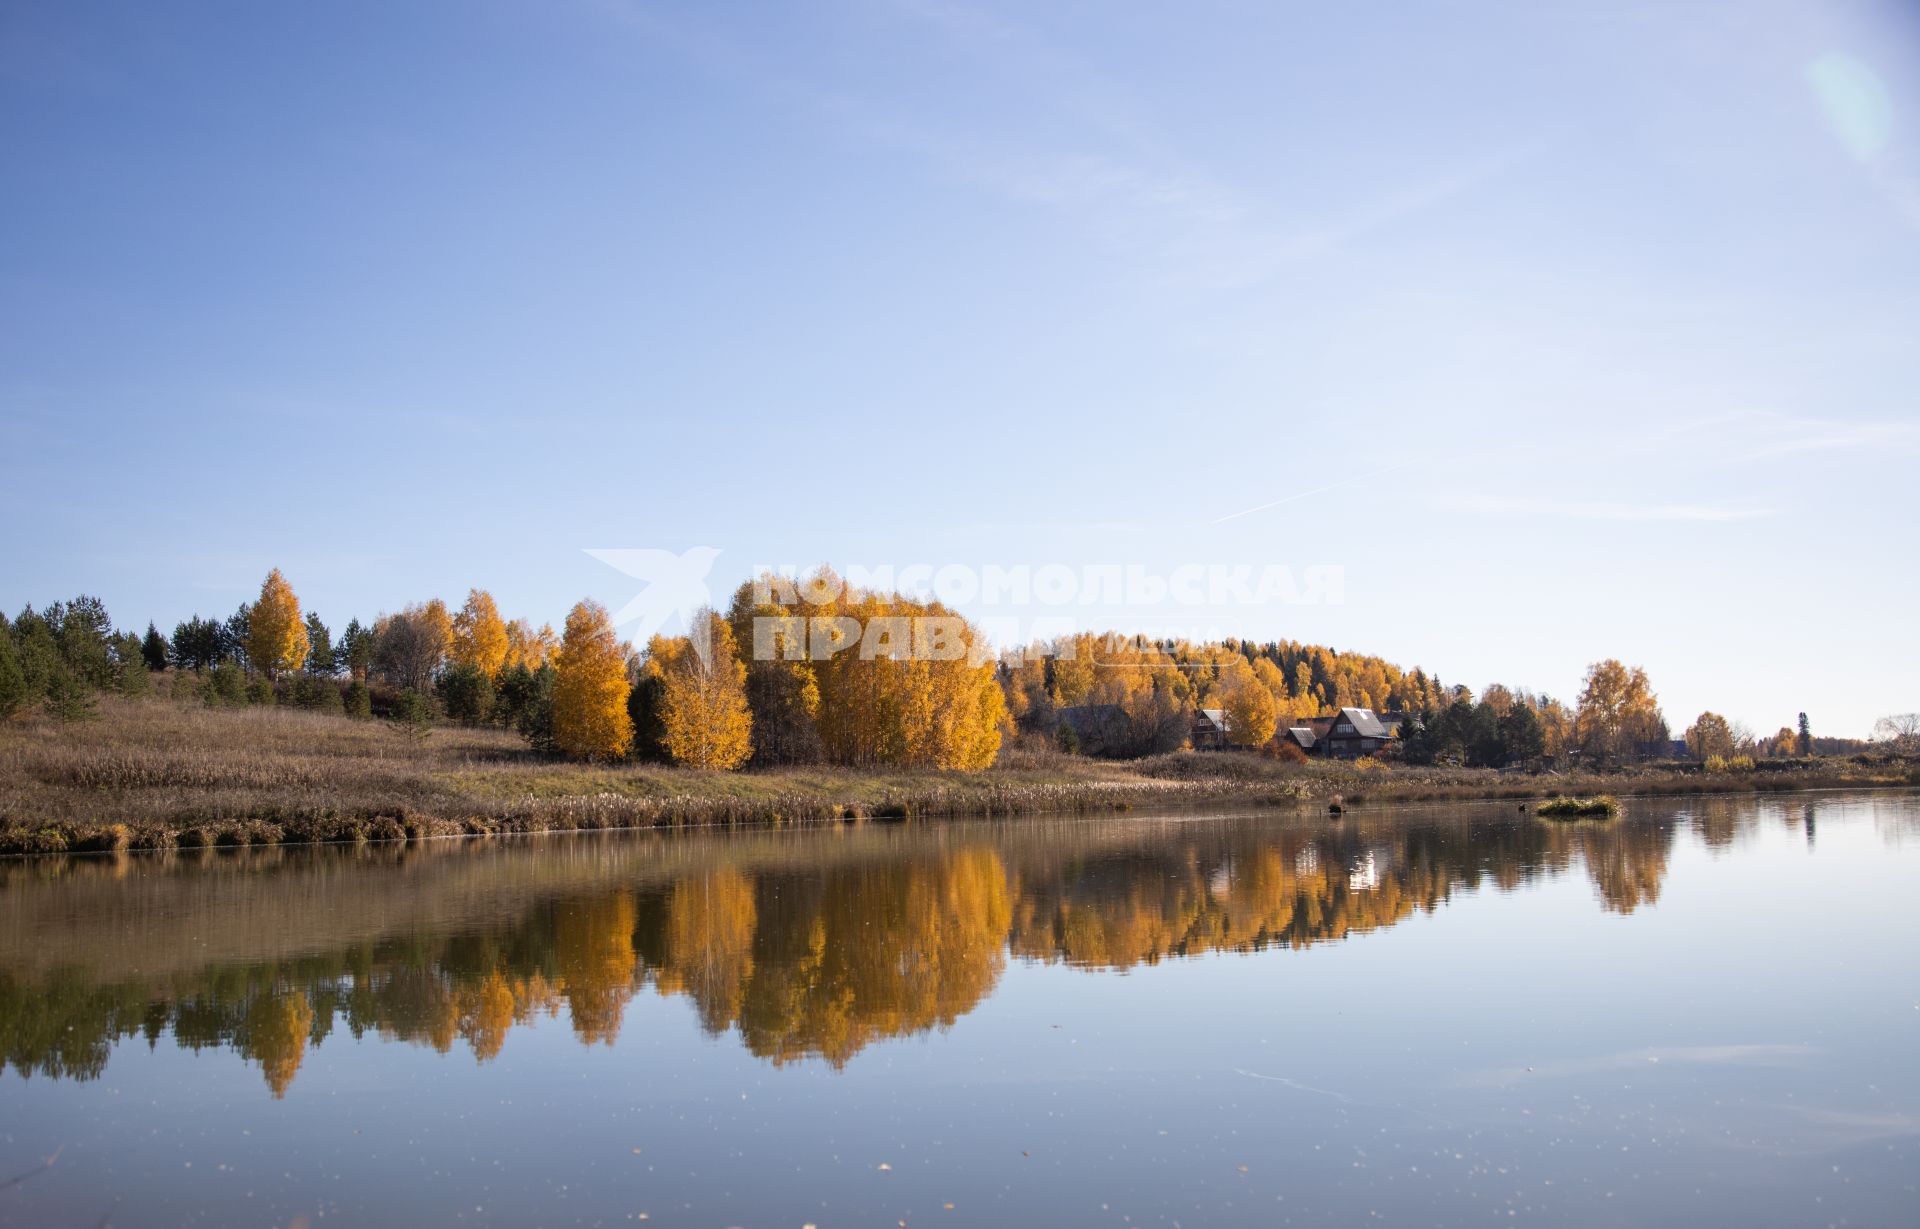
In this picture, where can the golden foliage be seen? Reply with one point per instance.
(704, 708)
(526, 647)
(1710, 736)
(1618, 710)
(276, 631)
(480, 634)
(912, 684)
(1250, 711)
(438, 623)
(590, 718)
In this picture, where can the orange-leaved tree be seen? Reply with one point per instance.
(276, 632)
(590, 718)
(526, 647)
(480, 634)
(1251, 713)
(703, 709)
(1618, 711)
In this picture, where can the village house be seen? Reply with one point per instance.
(1354, 732)
(1209, 732)
(1347, 734)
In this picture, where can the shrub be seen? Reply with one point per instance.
(316, 693)
(260, 691)
(413, 715)
(225, 684)
(526, 701)
(359, 700)
(134, 679)
(466, 693)
(110, 838)
(1602, 807)
(69, 698)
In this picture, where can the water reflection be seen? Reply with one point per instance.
(805, 945)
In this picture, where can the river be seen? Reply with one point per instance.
(1706, 1010)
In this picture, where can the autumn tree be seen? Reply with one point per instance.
(781, 693)
(1275, 682)
(1251, 715)
(704, 717)
(1709, 735)
(1617, 712)
(480, 634)
(529, 648)
(902, 681)
(276, 633)
(590, 688)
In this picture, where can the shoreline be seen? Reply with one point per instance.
(90, 846)
(156, 775)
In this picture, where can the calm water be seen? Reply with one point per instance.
(1708, 1011)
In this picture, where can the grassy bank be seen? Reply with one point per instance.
(154, 774)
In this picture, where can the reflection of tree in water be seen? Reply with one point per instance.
(593, 954)
(815, 957)
(706, 929)
(841, 959)
(1277, 889)
(1626, 861)
(274, 1033)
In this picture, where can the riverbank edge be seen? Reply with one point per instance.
(975, 797)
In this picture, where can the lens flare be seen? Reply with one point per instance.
(1856, 104)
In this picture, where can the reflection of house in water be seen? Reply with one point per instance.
(1365, 874)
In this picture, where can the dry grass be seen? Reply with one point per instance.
(153, 774)
(1603, 807)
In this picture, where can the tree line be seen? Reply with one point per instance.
(728, 695)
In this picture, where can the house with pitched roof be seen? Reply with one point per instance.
(1355, 732)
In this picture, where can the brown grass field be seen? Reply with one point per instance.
(156, 774)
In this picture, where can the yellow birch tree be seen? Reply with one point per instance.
(276, 631)
(703, 711)
(1251, 714)
(590, 718)
(480, 634)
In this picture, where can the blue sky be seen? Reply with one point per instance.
(1566, 331)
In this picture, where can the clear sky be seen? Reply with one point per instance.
(1566, 331)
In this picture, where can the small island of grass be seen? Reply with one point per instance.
(1605, 806)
